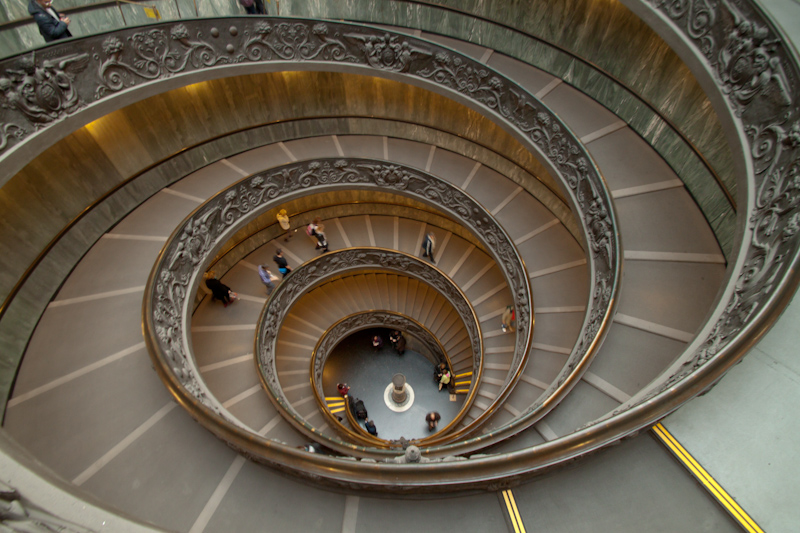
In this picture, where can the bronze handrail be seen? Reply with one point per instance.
(318, 271)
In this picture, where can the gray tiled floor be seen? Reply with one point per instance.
(369, 373)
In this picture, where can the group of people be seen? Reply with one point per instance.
(358, 409)
(223, 293)
(396, 338)
(360, 412)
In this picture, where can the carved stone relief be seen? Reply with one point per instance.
(758, 75)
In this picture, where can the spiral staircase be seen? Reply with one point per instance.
(621, 299)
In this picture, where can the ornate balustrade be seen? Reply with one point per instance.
(69, 85)
(177, 271)
(345, 262)
(72, 83)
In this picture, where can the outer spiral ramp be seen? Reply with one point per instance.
(101, 416)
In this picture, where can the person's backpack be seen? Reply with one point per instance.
(311, 230)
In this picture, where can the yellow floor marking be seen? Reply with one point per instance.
(464, 374)
(513, 512)
(335, 404)
(334, 411)
(332, 398)
(705, 478)
(463, 382)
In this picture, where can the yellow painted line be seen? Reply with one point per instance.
(513, 512)
(332, 398)
(510, 514)
(464, 374)
(463, 382)
(462, 391)
(334, 411)
(335, 404)
(705, 478)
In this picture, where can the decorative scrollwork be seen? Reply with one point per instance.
(755, 73)
(206, 230)
(336, 263)
(136, 56)
(41, 93)
(8, 131)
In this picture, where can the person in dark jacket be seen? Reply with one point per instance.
(283, 265)
(400, 345)
(52, 25)
(358, 409)
(432, 419)
(369, 425)
(219, 291)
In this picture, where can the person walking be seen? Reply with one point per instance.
(219, 291)
(283, 265)
(509, 320)
(369, 425)
(377, 343)
(322, 242)
(428, 246)
(311, 229)
(249, 6)
(267, 278)
(432, 420)
(444, 381)
(283, 220)
(400, 345)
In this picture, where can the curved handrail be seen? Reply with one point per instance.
(594, 66)
(767, 273)
(111, 192)
(317, 271)
(155, 55)
(692, 146)
(175, 274)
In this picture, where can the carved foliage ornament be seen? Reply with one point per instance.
(758, 76)
(109, 64)
(297, 283)
(200, 235)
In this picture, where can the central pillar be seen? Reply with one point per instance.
(399, 394)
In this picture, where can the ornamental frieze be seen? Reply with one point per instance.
(758, 75)
(336, 263)
(176, 275)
